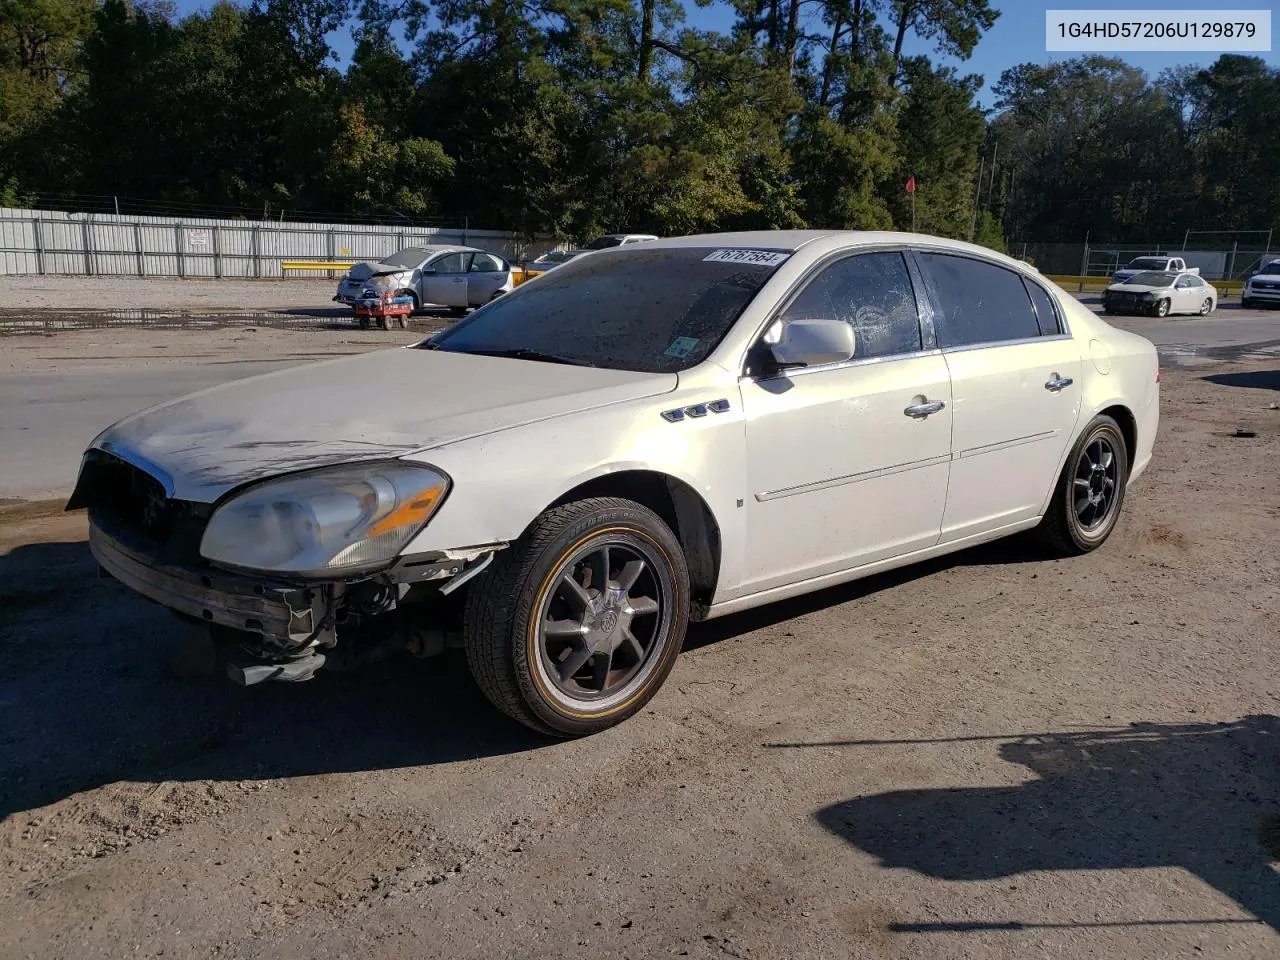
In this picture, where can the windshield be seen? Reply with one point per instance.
(1271, 268)
(407, 258)
(652, 311)
(557, 256)
(1149, 263)
(603, 243)
(1153, 279)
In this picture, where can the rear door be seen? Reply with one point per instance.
(1015, 382)
(444, 280)
(487, 275)
(847, 462)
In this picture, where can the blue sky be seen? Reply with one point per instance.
(1017, 37)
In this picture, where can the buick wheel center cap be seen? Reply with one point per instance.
(608, 621)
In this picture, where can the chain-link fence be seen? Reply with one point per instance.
(90, 244)
(1220, 255)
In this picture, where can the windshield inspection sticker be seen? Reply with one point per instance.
(757, 258)
(681, 346)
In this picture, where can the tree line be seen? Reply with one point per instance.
(576, 117)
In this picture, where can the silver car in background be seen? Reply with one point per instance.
(444, 276)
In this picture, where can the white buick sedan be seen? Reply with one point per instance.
(646, 436)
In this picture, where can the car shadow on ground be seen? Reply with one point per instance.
(1256, 379)
(1203, 797)
(89, 696)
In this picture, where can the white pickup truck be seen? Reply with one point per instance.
(1153, 264)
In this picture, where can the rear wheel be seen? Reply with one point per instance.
(1090, 491)
(575, 627)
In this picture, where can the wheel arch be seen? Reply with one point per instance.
(681, 507)
(1123, 416)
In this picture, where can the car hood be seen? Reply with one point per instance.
(1134, 288)
(376, 405)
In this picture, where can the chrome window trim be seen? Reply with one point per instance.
(1020, 342)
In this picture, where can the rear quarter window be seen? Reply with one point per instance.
(979, 302)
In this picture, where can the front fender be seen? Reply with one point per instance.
(503, 481)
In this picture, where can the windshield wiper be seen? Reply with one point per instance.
(524, 353)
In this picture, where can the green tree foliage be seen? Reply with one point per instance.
(581, 116)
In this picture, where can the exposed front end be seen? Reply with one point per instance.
(282, 625)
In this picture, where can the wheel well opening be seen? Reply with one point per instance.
(1128, 429)
(681, 508)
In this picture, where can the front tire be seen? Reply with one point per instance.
(1206, 308)
(575, 627)
(1162, 308)
(1090, 491)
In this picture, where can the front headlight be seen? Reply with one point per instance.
(325, 522)
(1146, 296)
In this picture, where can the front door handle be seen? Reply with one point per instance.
(1056, 383)
(918, 411)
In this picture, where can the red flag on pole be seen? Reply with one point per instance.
(911, 184)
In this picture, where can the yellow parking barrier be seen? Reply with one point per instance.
(317, 264)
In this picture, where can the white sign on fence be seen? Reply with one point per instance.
(197, 238)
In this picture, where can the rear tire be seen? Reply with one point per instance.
(1089, 493)
(574, 628)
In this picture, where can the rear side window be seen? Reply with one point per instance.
(872, 293)
(1046, 311)
(980, 302)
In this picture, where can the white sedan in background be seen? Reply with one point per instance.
(443, 276)
(1160, 294)
(672, 431)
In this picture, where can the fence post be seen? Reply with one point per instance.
(1231, 269)
(257, 251)
(177, 247)
(217, 252)
(1084, 264)
(331, 247)
(38, 227)
(137, 248)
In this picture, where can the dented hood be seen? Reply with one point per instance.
(372, 406)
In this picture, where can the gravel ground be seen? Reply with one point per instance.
(992, 755)
(132, 293)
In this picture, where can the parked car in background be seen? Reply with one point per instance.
(1263, 288)
(618, 240)
(1155, 264)
(444, 276)
(549, 261)
(646, 436)
(1160, 294)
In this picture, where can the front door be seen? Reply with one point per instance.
(1015, 381)
(444, 280)
(847, 463)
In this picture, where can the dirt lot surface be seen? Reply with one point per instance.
(133, 293)
(993, 755)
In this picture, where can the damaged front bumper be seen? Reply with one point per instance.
(291, 615)
(288, 631)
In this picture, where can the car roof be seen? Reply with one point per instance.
(794, 240)
(439, 248)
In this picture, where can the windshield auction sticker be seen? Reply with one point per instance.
(756, 258)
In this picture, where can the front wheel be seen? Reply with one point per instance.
(1162, 308)
(1086, 501)
(575, 627)
(1206, 308)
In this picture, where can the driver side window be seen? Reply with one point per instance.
(871, 292)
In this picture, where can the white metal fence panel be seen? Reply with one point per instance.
(54, 242)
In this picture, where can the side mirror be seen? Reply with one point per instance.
(811, 343)
(429, 269)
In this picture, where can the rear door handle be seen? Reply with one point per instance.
(918, 411)
(1056, 383)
